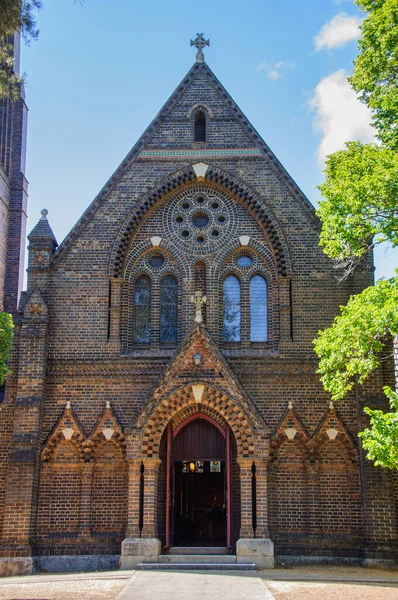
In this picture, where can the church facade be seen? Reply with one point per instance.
(164, 392)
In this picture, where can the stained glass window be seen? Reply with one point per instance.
(231, 330)
(193, 466)
(168, 310)
(142, 310)
(215, 466)
(258, 309)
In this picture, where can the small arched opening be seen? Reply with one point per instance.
(200, 126)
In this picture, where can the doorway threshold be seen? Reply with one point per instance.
(201, 550)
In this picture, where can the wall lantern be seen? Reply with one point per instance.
(196, 359)
(192, 467)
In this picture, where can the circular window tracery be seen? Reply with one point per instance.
(202, 218)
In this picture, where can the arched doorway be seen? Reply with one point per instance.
(198, 483)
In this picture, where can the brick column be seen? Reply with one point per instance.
(151, 479)
(262, 499)
(136, 549)
(249, 549)
(245, 466)
(133, 515)
(23, 469)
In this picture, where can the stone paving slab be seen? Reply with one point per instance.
(195, 585)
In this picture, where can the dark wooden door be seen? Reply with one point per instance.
(199, 440)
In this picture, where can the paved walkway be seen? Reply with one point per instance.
(288, 583)
(195, 585)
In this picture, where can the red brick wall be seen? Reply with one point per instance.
(288, 493)
(109, 491)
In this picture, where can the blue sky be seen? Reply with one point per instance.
(101, 71)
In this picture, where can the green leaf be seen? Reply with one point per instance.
(6, 334)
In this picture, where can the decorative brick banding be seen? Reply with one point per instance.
(214, 403)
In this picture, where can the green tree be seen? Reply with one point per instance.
(359, 211)
(6, 329)
(15, 15)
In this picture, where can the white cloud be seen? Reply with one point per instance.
(338, 31)
(275, 71)
(340, 117)
(273, 74)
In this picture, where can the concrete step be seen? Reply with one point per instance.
(195, 567)
(197, 558)
(189, 550)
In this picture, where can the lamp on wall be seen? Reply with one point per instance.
(197, 358)
(192, 467)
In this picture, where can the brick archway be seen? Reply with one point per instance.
(213, 402)
(218, 179)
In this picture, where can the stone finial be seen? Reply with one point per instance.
(199, 42)
(44, 212)
(108, 404)
(331, 405)
(198, 300)
(68, 407)
(290, 405)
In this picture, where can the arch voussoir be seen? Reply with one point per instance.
(182, 403)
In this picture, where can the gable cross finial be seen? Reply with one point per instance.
(199, 42)
(198, 300)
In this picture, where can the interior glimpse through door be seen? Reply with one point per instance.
(198, 511)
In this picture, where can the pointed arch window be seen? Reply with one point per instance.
(169, 310)
(258, 309)
(200, 127)
(231, 319)
(142, 310)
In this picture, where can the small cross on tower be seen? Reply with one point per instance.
(198, 300)
(199, 42)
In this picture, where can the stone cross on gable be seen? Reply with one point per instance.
(199, 42)
(198, 300)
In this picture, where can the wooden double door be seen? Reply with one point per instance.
(198, 481)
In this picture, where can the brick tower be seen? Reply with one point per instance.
(13, 193)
